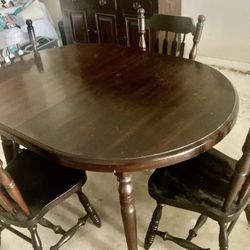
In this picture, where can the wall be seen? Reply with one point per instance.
(227, 28)
(54, 9)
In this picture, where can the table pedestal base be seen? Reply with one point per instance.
(128, 209)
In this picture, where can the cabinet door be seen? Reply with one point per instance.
(79, 27)
(106, 25)
(132, 36)
(76, 26)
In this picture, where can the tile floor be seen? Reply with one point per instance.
(101, 189)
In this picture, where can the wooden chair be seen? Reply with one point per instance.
(30, 187)
(212, 184)
(178, 25)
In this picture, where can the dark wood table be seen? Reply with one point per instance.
(110, 109)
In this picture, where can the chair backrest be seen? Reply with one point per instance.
(10, 187)
(177, 27)
(240, 182)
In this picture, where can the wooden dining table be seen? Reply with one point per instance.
(110, 109)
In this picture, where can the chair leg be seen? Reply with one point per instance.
(36, 241)
(89, 209)
(153, 226)
(56, 228)
(247, 211)
(200, 222)
(223, 236)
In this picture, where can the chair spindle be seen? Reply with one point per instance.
(174, 46)
(13, 190)
(165, 44)
(245, 189)
(6, 205)
(156, 44)
(31, 32)
(182, 46)
(197, 36)
(141, 29)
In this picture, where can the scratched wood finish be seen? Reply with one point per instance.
(113, 108)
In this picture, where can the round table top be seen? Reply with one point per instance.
(107, 108)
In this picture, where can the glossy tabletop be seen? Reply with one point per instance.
(111, 108)
(107, 108)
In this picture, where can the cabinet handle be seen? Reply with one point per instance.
(136, 5)
(102, 2)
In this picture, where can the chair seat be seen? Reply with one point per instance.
(199, 184)
(49, 183)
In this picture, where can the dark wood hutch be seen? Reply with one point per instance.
(109, 21)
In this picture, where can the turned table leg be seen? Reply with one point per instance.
(128, 209)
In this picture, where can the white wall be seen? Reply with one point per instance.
(54, 9)
(227, 28)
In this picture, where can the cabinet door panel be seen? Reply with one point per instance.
(106, 27)
(79, 26)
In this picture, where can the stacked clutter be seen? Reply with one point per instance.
(15, 40)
